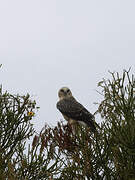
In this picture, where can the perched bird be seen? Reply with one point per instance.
(73, 111)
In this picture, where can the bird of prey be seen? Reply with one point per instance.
(73, 111)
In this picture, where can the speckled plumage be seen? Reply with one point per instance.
(73, 111)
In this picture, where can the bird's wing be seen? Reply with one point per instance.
(74, 110)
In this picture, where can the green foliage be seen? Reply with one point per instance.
(15, 128)
(118, 110)
(64, 152)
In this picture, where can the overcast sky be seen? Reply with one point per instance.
(47, 44)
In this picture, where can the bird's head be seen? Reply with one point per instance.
(64, 92)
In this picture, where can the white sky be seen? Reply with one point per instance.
(47, 44)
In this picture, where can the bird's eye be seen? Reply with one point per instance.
(62, 90)
(68, 91)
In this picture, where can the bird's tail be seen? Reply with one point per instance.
(93, 125)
